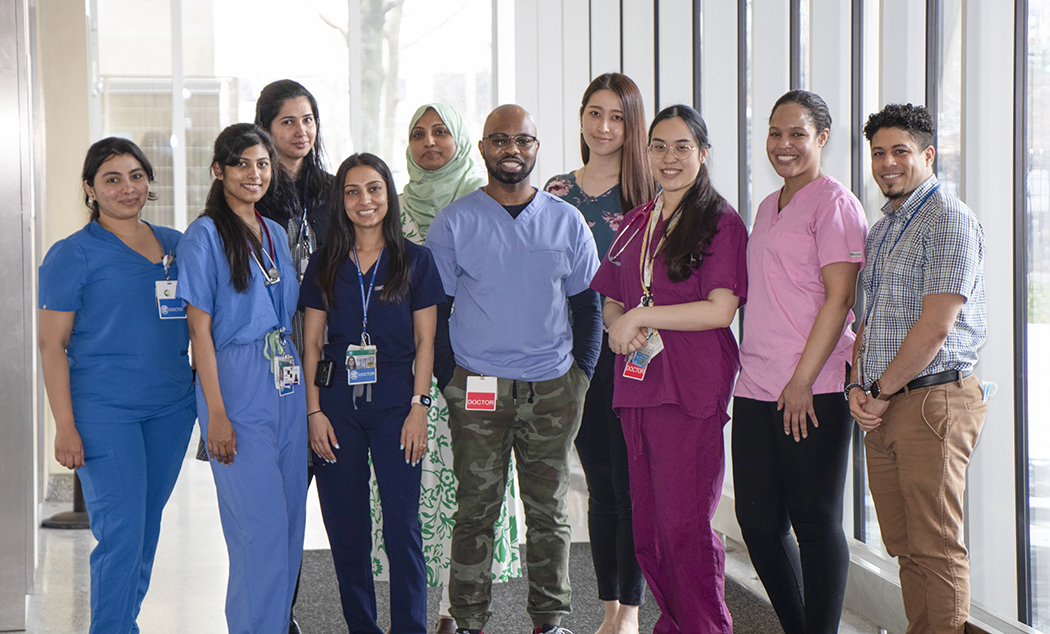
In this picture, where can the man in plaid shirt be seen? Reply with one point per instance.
(913, 390)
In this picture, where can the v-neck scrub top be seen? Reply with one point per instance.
(237, 318)
(390, 324)
(511, 278)
(696, 368)
(823, 224)
(126, 364)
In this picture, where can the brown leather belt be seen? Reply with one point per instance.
(948, 376)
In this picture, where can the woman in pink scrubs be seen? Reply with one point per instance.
(673, 279)
(791, 426)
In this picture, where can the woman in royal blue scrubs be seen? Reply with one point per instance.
(240, 288)
(113, 351)
(369, 284)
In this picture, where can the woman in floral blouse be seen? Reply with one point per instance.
(615, 177)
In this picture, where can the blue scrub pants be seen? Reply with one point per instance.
(128, 474)
(262, 494)
(342, 489)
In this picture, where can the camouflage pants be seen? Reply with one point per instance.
(539, 421)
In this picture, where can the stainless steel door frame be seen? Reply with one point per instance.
(17, 349)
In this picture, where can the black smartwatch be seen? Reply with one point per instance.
(421, 399)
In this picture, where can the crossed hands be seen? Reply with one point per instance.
(866, 411)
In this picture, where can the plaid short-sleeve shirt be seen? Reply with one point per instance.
(932, 244)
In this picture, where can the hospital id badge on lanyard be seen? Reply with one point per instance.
(286, 374)
(168, 305)
(361, 360)
(638, 361)
(481, 393)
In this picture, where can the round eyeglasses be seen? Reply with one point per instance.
(680, 151)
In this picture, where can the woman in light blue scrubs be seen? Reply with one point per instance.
(240, 288)
(118, 379)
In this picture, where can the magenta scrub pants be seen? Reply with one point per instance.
(677, 463)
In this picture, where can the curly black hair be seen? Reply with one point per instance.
(915, 120)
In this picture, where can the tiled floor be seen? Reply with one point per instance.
(189, 574)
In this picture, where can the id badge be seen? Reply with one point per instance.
(168, 305)
(285, 374)
(481, 393)
(638, 361)
(360, 365)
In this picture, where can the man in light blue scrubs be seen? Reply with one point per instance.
(516, 261)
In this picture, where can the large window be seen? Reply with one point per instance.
(410, 53)
(1038, 308)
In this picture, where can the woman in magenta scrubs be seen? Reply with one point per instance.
(675, 275)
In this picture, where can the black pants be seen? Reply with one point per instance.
(781, 484)
(603, 453)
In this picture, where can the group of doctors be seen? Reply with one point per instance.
(120, 300)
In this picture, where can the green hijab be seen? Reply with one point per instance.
(429, 191)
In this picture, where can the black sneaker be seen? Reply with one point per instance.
(463, 630)
(550, 629)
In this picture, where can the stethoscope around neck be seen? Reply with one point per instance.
(648, 209)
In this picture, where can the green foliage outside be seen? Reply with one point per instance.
(1038, 301)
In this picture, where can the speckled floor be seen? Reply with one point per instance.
(189, 575)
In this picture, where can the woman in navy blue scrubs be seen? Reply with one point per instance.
(371, 286)
(240, 288)
(113, 351)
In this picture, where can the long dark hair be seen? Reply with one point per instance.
(312, 181)
(700, 208)
(102, 151)
(637, 186)
(235, 235)
(341, 235)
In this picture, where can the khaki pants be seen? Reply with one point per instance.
(917, 474)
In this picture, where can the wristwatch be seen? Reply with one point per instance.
(421, 399)
(849, 388)
(877, 393)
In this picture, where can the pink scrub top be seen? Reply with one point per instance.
(696, 369)
(824, 223)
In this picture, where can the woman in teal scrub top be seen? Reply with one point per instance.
(113, 351)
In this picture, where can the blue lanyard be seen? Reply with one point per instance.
(875, 261)
(365, 299)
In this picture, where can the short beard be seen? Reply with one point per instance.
(509, 178)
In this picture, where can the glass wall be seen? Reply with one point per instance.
(412, 52)
(948, 77)
(1038, 309)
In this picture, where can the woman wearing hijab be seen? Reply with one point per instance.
(441, 167)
